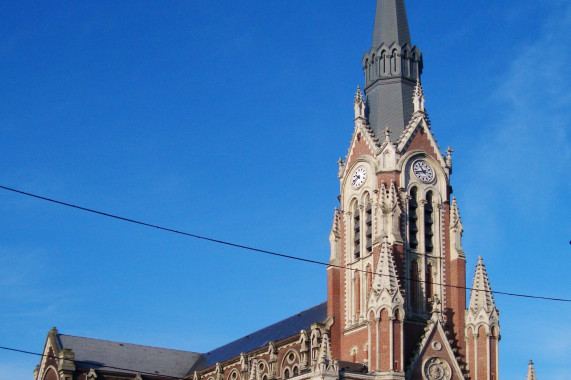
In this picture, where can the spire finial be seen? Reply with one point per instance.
(530, 372)
(387, 134)
(359, 104)
(449, 156)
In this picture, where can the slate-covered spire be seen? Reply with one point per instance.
(392, 68)
(391, 24)
(481, 296)
(530, 372)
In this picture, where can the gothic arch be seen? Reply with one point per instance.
(398, 313)
(233, 375)
(484, 325)
(263, 367)
(289, 364)
(50, 373)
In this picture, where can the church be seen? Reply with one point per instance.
(396, 280)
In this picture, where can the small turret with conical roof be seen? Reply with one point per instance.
(482, 326)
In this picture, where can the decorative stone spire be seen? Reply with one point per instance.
(530, 372)
(456, 230)
(418, 98)
(359, 104)
(326, 367)
(336, 220)
(386, 290)
(449, 157)
(392, 68)
(325, 352)
(454, 214)
(482, 326)
(254, 370)
(481, 296)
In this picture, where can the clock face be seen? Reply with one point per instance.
(423, 171)
(359, 177)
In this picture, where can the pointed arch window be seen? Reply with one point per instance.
(357, 233)
(428, 224)
(358, 293)
(413, 220)
(369, 228)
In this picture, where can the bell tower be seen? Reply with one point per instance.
(396, 283)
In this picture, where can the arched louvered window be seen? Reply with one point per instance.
(428, 224)
(357, 233)
(413, 220)
(357, 293)
(369, 228)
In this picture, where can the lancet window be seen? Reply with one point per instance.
(428, 224)
(369, 228)
(413, 220)
(357, 233)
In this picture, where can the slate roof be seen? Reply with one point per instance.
(389, 91)
(132, 358)
(281, 330)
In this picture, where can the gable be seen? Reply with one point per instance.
(418, 136)
(435, 358)
(363, 142)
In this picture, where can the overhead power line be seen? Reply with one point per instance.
(291, 257)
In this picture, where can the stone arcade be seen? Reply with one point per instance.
(396, 302)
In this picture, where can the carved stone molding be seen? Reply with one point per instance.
(437, 369)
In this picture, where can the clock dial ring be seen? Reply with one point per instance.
(359, 177)
(422, 171)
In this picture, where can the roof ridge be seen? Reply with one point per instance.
(127, 343)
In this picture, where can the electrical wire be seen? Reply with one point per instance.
(263, 251)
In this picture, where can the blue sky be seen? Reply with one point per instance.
(225, 119)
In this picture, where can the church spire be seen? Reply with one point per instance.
(392, 69)
(391, 24)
